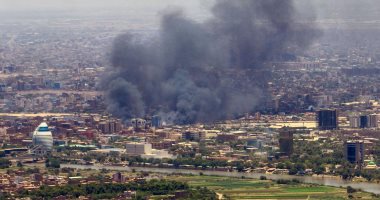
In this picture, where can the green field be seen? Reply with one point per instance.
(235, 188)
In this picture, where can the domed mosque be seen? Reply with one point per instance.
(42, 139)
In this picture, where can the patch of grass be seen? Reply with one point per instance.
(230, 184)
(274, 197)
(236, 188)
(327, 197)
(312, 189)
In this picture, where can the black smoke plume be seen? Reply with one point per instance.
(202, 72)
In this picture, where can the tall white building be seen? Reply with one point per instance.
(145, 151)
(42, 139)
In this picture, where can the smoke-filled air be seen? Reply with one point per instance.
(204, 71)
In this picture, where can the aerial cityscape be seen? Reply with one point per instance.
(189, 99)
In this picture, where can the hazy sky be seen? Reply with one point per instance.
(21, 9)
(46, 5)
(357, 9)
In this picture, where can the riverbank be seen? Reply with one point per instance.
(327, 181)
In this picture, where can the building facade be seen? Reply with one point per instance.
(42, 140)
(138, 148)
(327, 119)
(286, 141)
(354, 152)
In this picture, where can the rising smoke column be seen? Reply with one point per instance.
(198, 72)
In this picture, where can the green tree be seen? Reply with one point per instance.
(350, 190)
(52, 163)
(19, 164)
(4, 163)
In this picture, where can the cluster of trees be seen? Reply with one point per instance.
(112, 190)
(68, 149)
(198, 162)
(370, 175)
(310, 155)
(201, 193)
(26, 170)
(52, 163)
(376, 152)
(113, 157)
(194, 162)
(287, 182)
(348, 171)
(4, 163)
(5, 196)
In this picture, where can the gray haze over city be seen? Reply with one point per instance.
(145, 17)
(335, 9)
(102, 93)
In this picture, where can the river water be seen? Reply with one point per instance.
(328, 181)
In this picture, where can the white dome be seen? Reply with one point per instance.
(42, 136)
